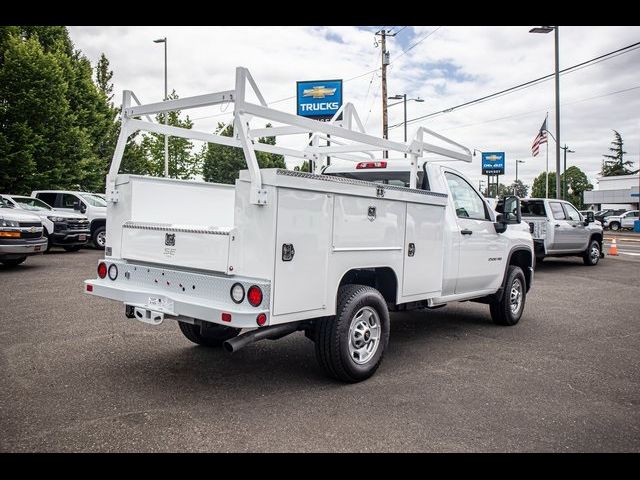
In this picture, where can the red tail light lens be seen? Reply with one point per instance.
(226, 317)
(261, 320)
(254, 295)
(371, 165)
(102, 269)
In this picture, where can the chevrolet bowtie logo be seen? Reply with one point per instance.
(493, 158)
(319, 91)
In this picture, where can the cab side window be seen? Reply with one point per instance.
(49, 198)
(557, 211)
(572, 213)
(68, 200)
(467, 202)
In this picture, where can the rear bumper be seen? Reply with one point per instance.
(21, 247)
(174, 294)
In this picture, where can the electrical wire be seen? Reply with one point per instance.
(530, 83)
(404, 52)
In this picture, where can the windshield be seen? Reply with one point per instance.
(93, 200)
(29, 203)
(400, 179)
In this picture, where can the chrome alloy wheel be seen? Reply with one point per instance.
(594, 253)
(364, 335)
(515, 297)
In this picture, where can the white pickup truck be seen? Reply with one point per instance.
(283, 251)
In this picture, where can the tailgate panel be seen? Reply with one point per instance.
(177, 245)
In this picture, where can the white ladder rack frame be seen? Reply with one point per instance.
(347, 142)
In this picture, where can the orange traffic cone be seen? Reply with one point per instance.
(613, 249)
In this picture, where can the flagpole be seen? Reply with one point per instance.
(547, 174)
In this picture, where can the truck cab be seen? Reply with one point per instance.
(91, 205)
(559, 229)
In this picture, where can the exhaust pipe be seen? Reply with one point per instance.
(272, 333)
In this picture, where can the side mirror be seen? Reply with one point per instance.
(511, 214)
(590, 218)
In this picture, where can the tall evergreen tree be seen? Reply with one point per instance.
(616, 164)
(103, 78)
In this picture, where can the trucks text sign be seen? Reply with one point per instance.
(320, 99)
(492, 163)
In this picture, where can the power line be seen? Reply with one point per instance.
(404, 52)
(530, 83)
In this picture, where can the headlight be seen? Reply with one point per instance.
(8, 223)
(57, 219)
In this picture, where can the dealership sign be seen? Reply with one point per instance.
(492, 163)
(320, 99)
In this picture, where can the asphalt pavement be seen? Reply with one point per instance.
(78, 376)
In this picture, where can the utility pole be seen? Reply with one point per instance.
(557, 112)
(385, 61)
(564, 171)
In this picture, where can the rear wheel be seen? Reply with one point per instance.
(592, 254)
(100, 237)
(351, 344)
(211, 336)
(508, 309)
(615, 226)
(12, 262)
(72, 248)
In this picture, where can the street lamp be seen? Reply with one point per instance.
(547, 29)
(166, 114)
(514, 187)
(404, 98)
(564, 174)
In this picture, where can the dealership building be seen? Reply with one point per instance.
(620, 191)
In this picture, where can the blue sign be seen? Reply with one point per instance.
(492, 163)
(320, 99)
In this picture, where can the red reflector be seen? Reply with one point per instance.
(89, 288)
(254, 295)
(102, 269)
(261, 320)
(371, 165)
(226, 317)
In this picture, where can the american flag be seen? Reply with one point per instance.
(540, 139)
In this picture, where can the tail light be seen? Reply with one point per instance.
(261, 320)
(254, 295)
(102, 269)
(237, 293)
(113, 271)
(371, 165)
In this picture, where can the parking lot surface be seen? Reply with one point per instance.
(77, 375)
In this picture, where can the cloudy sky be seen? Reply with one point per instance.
(446, 66)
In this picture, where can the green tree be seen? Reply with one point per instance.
(302, 168)
(183, 163)
(103, 78)
(519, 189)
(616, 164)
(54, 122)
(222, 164)
(577, 183)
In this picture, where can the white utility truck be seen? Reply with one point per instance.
(283, 251)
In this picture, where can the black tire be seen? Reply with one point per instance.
(213, 335)
(45, 234)
(539, 260)
(501, 312)
(615, 226)
(99, 238)
(591, 255)
(333, 338)
(12, 262)
(72, 248)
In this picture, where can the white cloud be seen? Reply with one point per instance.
(454, 65)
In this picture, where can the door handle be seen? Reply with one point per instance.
(557, 225)
(466, 232)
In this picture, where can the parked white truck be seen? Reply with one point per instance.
(20, 235)
(283, 251)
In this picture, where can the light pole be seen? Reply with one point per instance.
(514, 187)
(404, 98)
(564, 173)
(557, 55)
(166, 114)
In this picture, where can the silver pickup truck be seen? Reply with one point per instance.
(559, 230)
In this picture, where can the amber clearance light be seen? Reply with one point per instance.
(10, 234)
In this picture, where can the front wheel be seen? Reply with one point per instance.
(351, 344)
(592, 254)
(508, 309)
(212, 336)
(100, 237)
(12, 262)
(615, 226)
